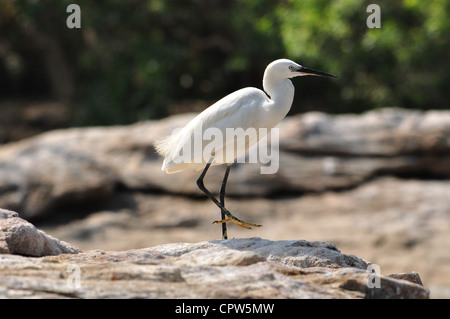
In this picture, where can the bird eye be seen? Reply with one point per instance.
(291, 67)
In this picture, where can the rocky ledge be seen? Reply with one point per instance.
(60, 169)
(36, 265)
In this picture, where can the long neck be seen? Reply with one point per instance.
(281, 92)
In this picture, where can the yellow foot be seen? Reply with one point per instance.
(238, 222)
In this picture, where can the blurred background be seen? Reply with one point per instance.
(134, 64)
(136, 60)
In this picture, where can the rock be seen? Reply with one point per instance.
(17, 236)
(402, 224)
(40, 174)
(341, 179)
(82, 166)
(411, 277)
(236, 268)
(318, 152)
(4, 214)
(383, 132)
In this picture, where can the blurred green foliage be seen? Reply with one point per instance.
(404, 63)
(136, 59)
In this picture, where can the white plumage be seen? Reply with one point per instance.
(242, 109)
(245, 108)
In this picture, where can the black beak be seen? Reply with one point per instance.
(309, 71)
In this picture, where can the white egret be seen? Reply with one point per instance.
(245, 108)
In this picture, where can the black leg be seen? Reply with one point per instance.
(202, 187)
(231, 217)
(222, 200)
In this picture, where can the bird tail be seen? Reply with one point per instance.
(166, 145)
(162, 146)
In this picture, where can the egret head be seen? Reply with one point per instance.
(284, 68)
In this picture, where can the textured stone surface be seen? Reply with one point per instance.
(375, 184)
(402, 225)
(236, 268)
(17, 236)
